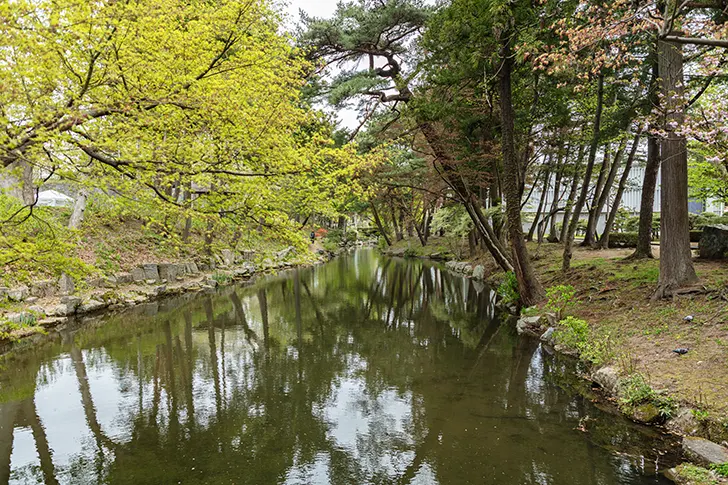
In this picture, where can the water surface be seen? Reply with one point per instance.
(366, 370)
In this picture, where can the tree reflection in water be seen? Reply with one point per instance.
(363, 370)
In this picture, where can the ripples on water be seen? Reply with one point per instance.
(366, 370)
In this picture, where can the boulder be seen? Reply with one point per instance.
(4, 292)
(646, 413)
(124, 278)
(479, 272)
(714, 242)
(211, 283)
(281, 255)
(267, 263)
(151, 271)
(607, 378)
(529, 326)
(19, 293)
(138, 275)
(228, 257)
(68, 306)
(191, 268)
(43, 288)
(168, 271)
(467, 269)
(66, 286)
(51, 321)
(247, 255)
(203, 267)
(548, 336)
(92, 306)
(684, 423)
(703, 451)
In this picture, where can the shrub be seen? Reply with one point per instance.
(559, 298)
(508, 289)
(410, 253)
(623, 240)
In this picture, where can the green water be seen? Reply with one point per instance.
(365, 370)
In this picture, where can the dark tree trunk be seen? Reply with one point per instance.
(529, 287)
(649, 183)
(591, 225)
(676, 263)
(607, 189)
(555, 203)
(542, 199)
(604, 239)
(569, 240)
(397, 230)
(568, 208)
(378, 222)
(448, 174)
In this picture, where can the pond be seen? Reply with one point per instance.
(364, 370)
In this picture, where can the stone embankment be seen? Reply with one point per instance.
(48, 303)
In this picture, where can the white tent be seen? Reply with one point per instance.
(52, 198)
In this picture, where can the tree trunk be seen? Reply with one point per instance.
(607, 189)
(569, 240)
(555, 203)
(591, 225)
(676, 264)
(378, 222)
(397, 230)
(568, 208)
(604, 239)
(649, 183)
(541, 201)
(456, 183)
(529, 287)
(79, 208)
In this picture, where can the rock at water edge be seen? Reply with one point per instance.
(704, 451)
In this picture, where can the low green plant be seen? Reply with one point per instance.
(508, 289)
(721, 469)
(635, 390)
(700, 414)
(573, 332)
(696, 475)
(560, 297)
(222, 278)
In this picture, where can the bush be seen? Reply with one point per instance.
(508, 289)
(410, 253)
(695, 236)
(623, 240)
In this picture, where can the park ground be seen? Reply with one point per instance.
(636, 334)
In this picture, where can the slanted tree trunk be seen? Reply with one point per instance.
(596, 135)
(607, 189)
(379, 224)
(397, 229)
(529, 287)
(79, 208)
(676, 264)
(568, 208)
(604, 239)
(591, 224)
(542, 199)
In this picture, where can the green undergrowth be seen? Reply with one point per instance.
(695, 475)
